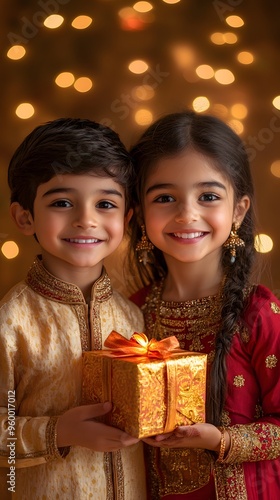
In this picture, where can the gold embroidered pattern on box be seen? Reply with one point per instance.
(239, 381)
(271, 361)
(275, 308)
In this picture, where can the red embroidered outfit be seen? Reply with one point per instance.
(251, 469)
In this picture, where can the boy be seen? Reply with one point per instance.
(70, 184)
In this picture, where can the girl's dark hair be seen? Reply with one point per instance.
(215, 140)
(67, 146)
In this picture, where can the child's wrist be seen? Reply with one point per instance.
(224, 445)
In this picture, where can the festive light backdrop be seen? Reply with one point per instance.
(127, 63)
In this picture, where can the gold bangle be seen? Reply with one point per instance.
(222, 445)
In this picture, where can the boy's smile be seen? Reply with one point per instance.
(78, 220)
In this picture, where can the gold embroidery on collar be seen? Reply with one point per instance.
(239, 381)
(47, 285)
(196, 321)
(275, 308)
(271, 361)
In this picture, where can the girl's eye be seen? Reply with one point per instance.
(105, 204)
(164, 198)
(209, 197)
(62, 204)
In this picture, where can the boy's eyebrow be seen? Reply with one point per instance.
(103, 192)
(207, 184)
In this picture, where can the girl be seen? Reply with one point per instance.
(194, 246)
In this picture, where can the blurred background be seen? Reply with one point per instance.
(125, 64)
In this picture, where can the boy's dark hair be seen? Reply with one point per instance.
(212, 138)
(67, 146)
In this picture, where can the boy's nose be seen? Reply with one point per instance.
(85, 218)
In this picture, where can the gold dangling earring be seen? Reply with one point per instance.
(144, 247)
(233, 241)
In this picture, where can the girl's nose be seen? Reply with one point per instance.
(186, 214)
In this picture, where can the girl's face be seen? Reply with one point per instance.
(189, 208)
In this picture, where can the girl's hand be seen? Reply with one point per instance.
(205, 436)
(77, 427)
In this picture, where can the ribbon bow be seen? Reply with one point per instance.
(139, 345)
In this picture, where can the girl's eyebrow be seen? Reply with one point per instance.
(101, 192)
(204, 185)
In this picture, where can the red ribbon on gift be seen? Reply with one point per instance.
(139, 345)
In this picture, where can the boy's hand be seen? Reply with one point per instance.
(77, 427)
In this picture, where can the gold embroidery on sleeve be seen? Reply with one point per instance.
(271, 361)
(52, 450)
(253, 442)
(239, 381)
(275, 308)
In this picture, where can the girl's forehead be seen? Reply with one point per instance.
(188, 164)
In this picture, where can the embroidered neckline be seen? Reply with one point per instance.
(193, 307)
(47, 285)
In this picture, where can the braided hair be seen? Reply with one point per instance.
(211, 137)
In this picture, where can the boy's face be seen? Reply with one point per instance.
(78, 220)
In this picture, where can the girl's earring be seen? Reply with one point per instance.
(144, 247)
(233, 241)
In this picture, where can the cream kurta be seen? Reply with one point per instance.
(45, 325)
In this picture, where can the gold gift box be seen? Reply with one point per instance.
(150, 396)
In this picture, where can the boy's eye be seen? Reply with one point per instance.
(62, 204)
(105, 204)
(164, 198)
(209, 197)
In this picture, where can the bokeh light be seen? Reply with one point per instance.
(143, 117)
(53, 21)
(10, 249)
(81, 22)
(138, 66)
(263, 243)
(16, 52)
(275, 168)
(25, 110)
(83, 84)
(65, 79)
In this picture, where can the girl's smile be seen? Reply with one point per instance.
(189, 209)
